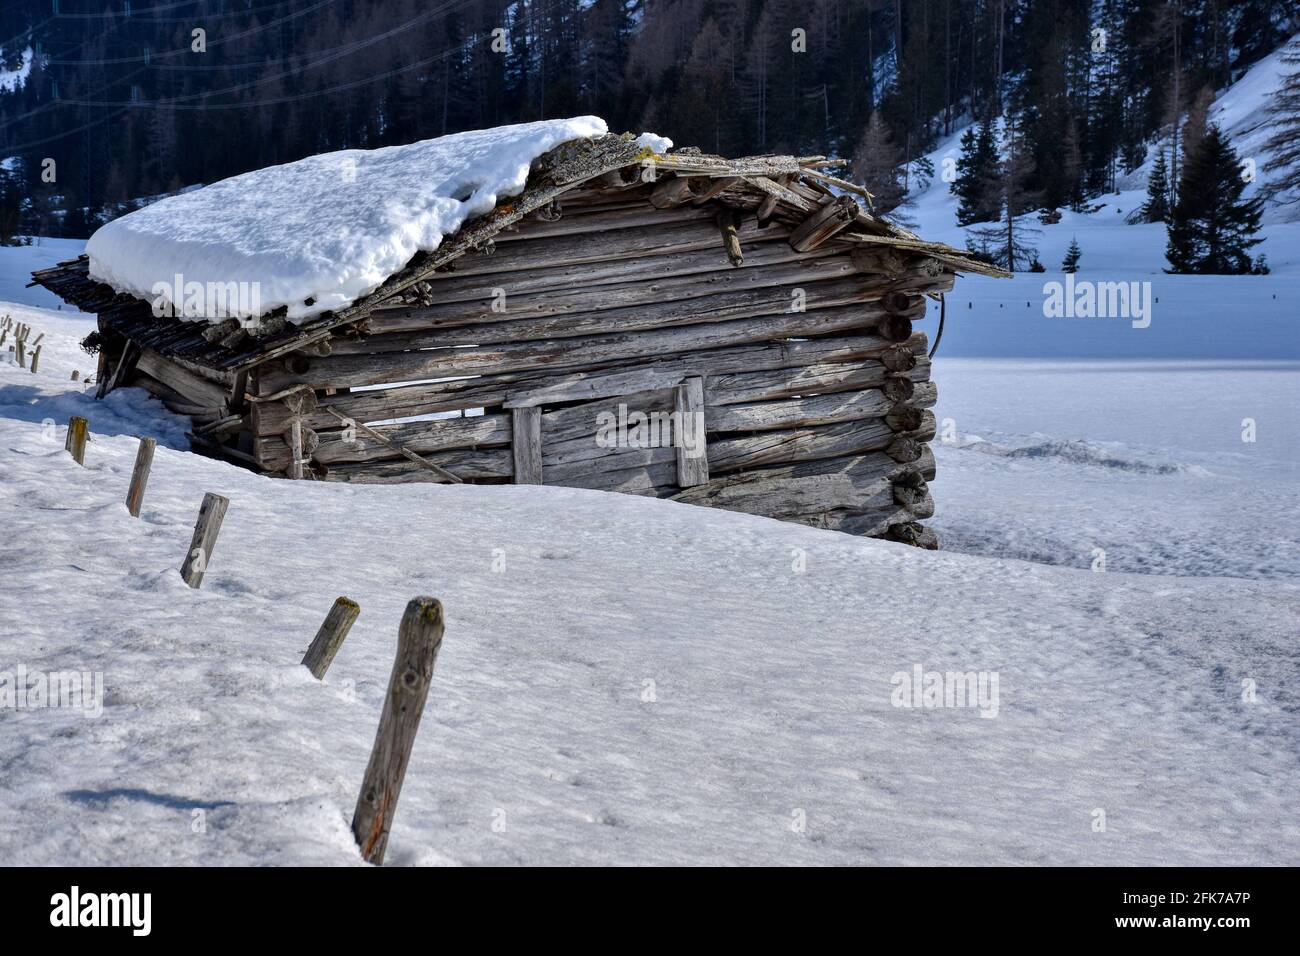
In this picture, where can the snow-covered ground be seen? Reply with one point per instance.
(635, 681)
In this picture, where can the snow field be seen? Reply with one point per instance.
(639, 682)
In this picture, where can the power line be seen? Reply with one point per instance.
(123, 107)
(338, 53)
(184, 51)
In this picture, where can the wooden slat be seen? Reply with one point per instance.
(652, 313)
(526, 445)
(575, 353)
(692, 448)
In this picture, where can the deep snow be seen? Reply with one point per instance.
(635, 681)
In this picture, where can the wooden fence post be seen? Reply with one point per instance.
(211, 514)
(418, 641)
(526, 444)
(330, 637)
(78, 430)
(36, 357)
(140, 476)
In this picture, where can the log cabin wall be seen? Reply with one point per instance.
(813, 387)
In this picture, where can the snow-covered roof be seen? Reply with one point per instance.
(317, 234)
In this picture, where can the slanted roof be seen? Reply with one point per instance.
(788, 188)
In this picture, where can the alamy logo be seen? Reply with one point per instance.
(207, 300)
(651, 430)
(21, 689)
(933, 689)
(103, 909)
(1084, 299)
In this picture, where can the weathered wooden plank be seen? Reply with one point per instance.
(419, 437)
(418, 641)
(294, 439)
(811, 487)
(657, 479)
(758, 254)
(870, 519)
(194, 389)
(823, 377)
(576, 219)
(502, 303)
(526, 445)
(488, 464)
(834, 217)
(583, 464)
(575, 353)
(788, 445)
(800, 412)
(736, 295)
(821, 356)
(174, 400)
(406, 452)
(818, 441)
(670, 238)
(689, 434)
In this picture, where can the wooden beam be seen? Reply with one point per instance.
(671, 192)
(401, 449)
(526, 444)
(728, 220)
(689, 433)
(830, 219)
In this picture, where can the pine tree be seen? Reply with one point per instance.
(1212, 228)
(876, 166)
(1284, 121)
(1156, 208)
(976, 184)
(1072, 256)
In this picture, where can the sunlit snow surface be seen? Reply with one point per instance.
(633, 681)
(328, 228)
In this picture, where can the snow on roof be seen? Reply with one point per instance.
(327, 229)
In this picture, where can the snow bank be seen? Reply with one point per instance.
(328, 228)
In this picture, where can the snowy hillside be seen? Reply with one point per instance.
(634, 681)
(1193, 317)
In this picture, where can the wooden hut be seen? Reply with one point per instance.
(581, 334)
